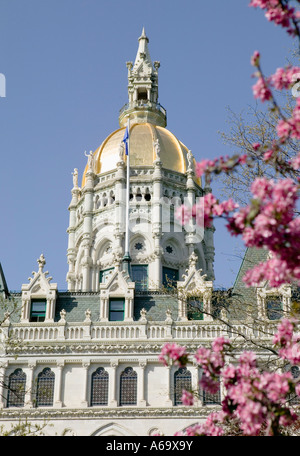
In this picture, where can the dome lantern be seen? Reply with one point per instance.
(143, 103)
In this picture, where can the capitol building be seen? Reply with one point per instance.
(84, 362)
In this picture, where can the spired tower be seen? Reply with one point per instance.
(162, 177)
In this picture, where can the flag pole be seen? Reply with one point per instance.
(127, 258)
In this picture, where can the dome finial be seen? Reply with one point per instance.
(143, 35)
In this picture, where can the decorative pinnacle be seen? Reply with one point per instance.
(143, 35)
(41, 262)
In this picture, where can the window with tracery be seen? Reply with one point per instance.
(45, 388)
(99, 387)
(16, 389)
(211, 398)
(274, 307)
(182, 381)
(128, 387)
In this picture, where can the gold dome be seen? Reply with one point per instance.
(173, 153)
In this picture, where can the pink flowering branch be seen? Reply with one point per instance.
(257, 401)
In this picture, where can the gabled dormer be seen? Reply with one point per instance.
(194, 293)
(39, 296)
(117, 297)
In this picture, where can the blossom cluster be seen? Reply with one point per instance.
(269, 222)
(288, 342)
(256, 400)
(173, 353)
(220, 164)
(280, 13)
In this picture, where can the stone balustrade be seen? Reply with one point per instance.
(198, 331)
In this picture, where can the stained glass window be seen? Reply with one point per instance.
(16, 389)
(99, 389)
(170, 277)
(140, 276)
(128, 387)
(211, 398)
(182, 380)
(45, 388)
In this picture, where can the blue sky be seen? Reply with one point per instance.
(66, 79)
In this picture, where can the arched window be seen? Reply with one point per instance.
(99, 389)
(274, 307)
(211, 398)
(182, 380)
(295, 371)
(45, 388)
(16, 389)
(128, 387)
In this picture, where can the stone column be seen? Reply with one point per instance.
(58, 384)
(195, 383)
(128, 309)
(85, 366)
(112, 396)
(168, 401)
(141, 401)
(87, 228)
(29, 389)
(157, 220)
(71, 240)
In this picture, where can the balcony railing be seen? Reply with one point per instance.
(198, 331)
(144, 104)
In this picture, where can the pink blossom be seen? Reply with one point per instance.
(219, 343)
(296, 162)
(261, 90)
(268, 154)
(255, 58)
(174, 353)
(187, 397)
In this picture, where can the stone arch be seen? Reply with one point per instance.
(113, 429)
(142, 238)
(176, 244)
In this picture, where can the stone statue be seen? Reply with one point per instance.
(190, 160)
(75, 177)
(143, 314)
(121, 152)
(88, 314)
(157, 149)
(90, 157)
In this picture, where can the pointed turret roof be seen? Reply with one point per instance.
(143, 60)
(143, 106)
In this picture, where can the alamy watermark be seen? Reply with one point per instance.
(162, 216)
(2, 86)
(296, 86)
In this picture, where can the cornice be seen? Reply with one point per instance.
(107, 413)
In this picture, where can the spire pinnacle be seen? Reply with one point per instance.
(143, 103)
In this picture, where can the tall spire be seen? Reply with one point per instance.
(143, 63)
(143, 103)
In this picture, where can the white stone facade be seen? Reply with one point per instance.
(63, 339)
